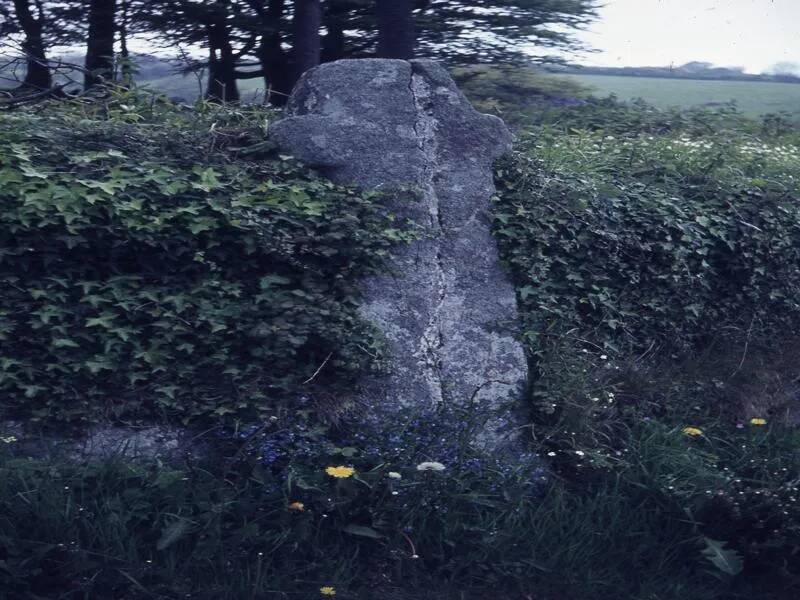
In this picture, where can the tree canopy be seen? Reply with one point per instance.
(279, 39)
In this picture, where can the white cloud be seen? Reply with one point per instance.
(754, 34)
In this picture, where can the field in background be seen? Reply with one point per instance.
(524, 87)
(752, 98)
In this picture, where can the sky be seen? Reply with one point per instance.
(753, 34)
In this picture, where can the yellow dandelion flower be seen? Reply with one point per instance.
(340, 472)
(298, 506)
(327, 590)
(693, 431)
(756, 421)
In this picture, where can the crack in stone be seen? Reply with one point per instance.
(432, 339)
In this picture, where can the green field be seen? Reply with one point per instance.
(753, 98)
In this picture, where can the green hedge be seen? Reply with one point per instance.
(641, 240)
(161, 261)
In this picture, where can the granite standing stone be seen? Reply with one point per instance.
(446, 307)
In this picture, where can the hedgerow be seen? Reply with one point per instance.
(157, 260)
(652, 240)
(657, 266)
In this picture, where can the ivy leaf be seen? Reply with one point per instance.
(109, 187)
(270, 280)
(704, 221)
(202, 224)
(99, 364)
(64, 343)
(104, 320)
(29, 171)
(208, 180)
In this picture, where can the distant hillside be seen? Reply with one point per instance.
(691, 70)
(160, 74)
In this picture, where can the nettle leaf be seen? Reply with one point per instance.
(362, 531)
(726, 560)
(174, 532)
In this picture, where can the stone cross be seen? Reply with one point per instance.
(446, 307)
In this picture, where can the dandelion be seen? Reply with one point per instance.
(756, 421)
(692, 431)
(430, 466)
(394, 475)
(340, 472)
(327, 590)
(298, 506)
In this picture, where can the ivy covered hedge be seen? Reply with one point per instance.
(642, 240)
(156, 260)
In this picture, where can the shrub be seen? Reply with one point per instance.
(651, 240)
(157, 261)
(655, 255)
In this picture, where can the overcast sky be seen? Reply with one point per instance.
(750, 33)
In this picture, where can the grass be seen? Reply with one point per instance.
(753, 98)
(628, 526)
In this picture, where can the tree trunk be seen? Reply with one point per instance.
(274, 60)
(306, 41)
(333, 44)
(100, 42)
(126, 66)
(38, 73)
(395, 28)
(221, 65)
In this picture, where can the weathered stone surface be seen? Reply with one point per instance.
(105, 441)
(447, 309)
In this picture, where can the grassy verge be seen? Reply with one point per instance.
(659, 513)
